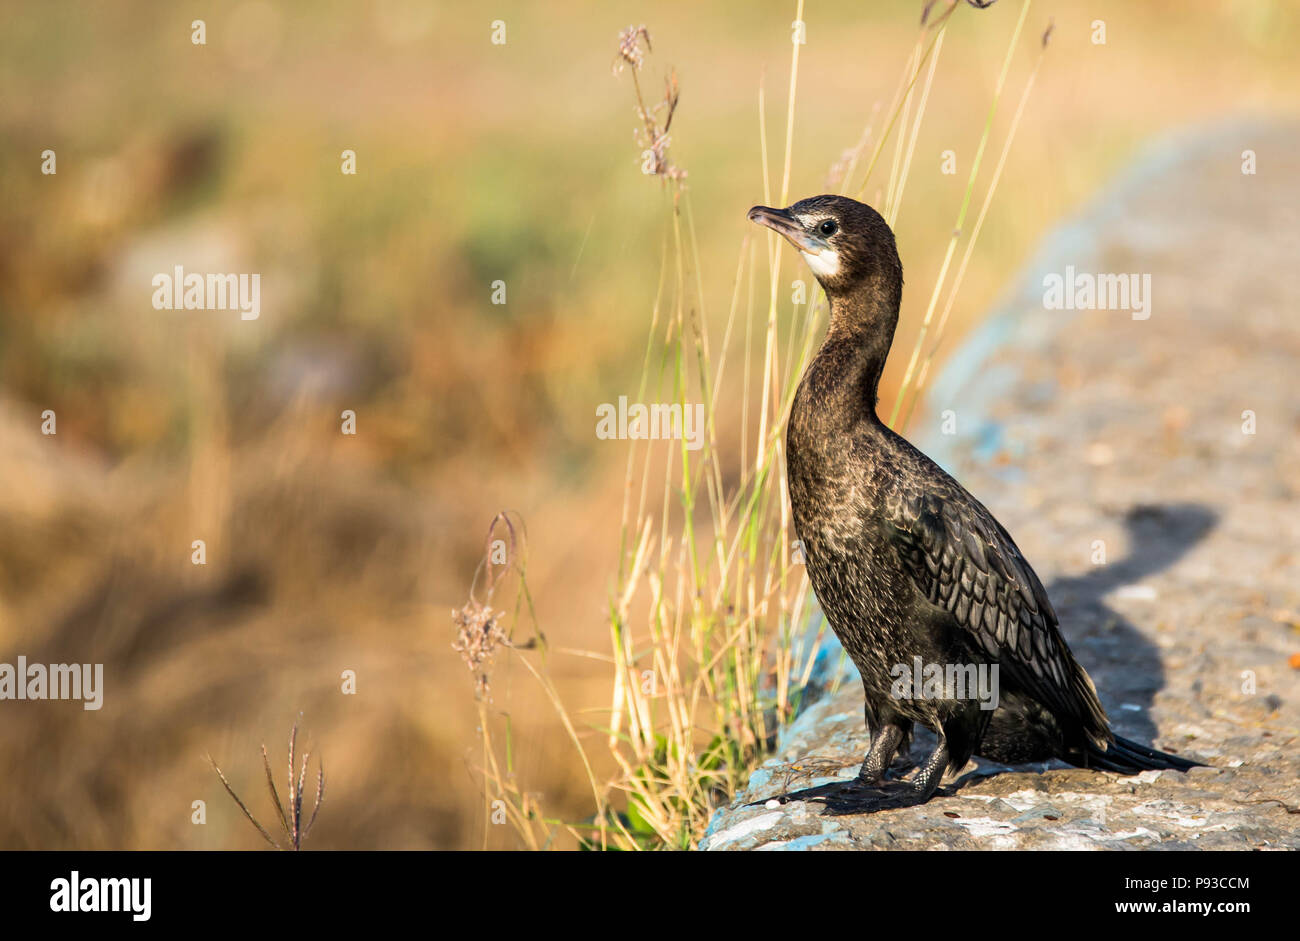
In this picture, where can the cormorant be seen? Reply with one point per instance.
(904, 561)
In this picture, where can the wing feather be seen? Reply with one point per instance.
(962, 560)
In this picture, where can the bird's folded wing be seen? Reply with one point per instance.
(962, 560)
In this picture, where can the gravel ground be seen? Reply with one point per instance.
(1091, 431)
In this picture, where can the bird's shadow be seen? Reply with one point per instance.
(1124, 663)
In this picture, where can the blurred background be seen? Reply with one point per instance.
(475, 163)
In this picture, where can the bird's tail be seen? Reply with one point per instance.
(1125, 757)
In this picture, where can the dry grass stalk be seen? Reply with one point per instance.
(481, 632)
(652, 135)
(290, 818)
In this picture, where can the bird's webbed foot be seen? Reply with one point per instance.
(857, 796)
(870, 791)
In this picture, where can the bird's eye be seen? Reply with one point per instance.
(828, 227)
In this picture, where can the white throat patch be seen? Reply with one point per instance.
(824, 264)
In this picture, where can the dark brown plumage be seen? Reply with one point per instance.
(904, 561)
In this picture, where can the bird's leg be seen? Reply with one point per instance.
(860, 797)
(927, 780)
(869, 790)
(880, 754)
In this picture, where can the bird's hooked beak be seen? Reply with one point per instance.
(783, 223)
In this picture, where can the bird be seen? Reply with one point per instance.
(906, 563)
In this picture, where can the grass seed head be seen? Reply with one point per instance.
(478, 635)
(629, 48)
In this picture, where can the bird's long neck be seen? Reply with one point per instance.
(857, 344)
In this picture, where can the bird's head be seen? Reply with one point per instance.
(846, 243)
